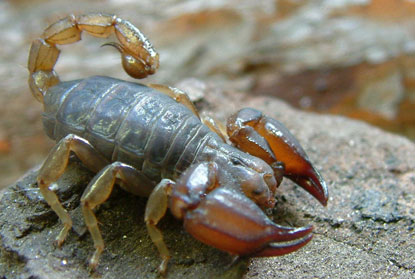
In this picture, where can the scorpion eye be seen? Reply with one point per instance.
(257, 192)
(235, 161)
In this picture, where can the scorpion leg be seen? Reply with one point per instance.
(270, 140)
(98, 191)
(155, 210)
(53, 167)
(176, 94)
(139, 59)
(181, 97)
(216, 126)
(198, 179)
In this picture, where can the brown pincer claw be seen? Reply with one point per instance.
(228, 220)
(271, 141)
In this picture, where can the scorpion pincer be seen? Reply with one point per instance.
(150, 140)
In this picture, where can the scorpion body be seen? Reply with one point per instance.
(130, 123)
(150, 140)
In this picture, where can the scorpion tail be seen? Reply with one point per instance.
(139, 58)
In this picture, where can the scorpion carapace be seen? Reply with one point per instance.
(151, 141)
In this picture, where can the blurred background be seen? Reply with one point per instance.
(354, 58)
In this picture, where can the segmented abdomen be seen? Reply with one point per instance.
(127, 122)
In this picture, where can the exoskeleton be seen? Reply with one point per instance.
(150, 140)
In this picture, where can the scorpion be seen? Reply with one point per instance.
(151, 141)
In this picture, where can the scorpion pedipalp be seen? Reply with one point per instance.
(223, 216)
(270, 140)
(228, 220)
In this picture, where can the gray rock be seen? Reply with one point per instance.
(28, 228)
(366, 231)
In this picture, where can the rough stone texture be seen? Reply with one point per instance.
(366, 231)
(28, 228)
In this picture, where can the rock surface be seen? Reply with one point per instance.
(28, 228)
(366, 231)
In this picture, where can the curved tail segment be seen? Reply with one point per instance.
(139, 59)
